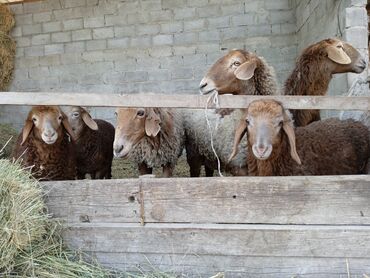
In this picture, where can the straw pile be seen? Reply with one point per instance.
(8, 136)
(30, 245)
(6, 19)
(7, 47)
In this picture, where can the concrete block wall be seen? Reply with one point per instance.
(161, 46)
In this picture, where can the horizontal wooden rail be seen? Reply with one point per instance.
(178, 101)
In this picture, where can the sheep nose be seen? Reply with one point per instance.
(203, 84)
(49, 134)
(261, 149)
(117, 149)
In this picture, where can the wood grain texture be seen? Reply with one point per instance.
(178, 101)
(235, 266)
(223, 239)
(329, 200)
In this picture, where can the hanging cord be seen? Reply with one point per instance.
(214, 99)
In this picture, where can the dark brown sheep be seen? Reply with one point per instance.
(94, 144)
(275, 148)
(314, 70)
(46, 144)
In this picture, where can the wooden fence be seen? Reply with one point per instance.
(312, 226)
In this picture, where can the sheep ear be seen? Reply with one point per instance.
(152, 123)
(89, 121)
(289, 131)
(338, 55)
(239, 133)
(246, 70)
(26, 130)
(68, 127)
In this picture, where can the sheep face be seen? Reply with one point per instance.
(335, 56)
(47, 123)
(229, 73)
(79, 118)
(132, 125)
(264, 122)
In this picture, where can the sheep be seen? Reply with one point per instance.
(46, 144)
(152, 137)
(276, 148)
(314, 70)
(94, 144)
(238, 72)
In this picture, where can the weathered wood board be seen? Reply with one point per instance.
(178, 101)
(245, 227)
(329, 200)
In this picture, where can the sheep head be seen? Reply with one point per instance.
(132, 125)
(229, 73)
(79, 119)
(264, 122)
(334, 56)
(48, 123)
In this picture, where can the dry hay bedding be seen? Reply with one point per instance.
(7, 54)
(7, 20)
(30, 243)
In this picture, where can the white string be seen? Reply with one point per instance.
(214, 98)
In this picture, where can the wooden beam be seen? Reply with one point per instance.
(327, 200)
(178, 101)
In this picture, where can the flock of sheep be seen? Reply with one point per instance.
(59, 145)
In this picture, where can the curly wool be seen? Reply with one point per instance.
(94, 150)
(328, 147)
(47, 162)
(166, 147)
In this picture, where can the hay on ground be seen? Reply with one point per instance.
(7, 20)
(7, 55)
(8, 137)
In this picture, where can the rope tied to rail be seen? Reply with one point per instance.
(215, 101)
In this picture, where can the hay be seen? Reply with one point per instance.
(6, 19)
(7, 133)
(7, 55)
(30, 243)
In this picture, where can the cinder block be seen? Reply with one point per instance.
(259, 30)
(96, 45)
(151, 5)
(34, 51)
(141, 42)
(75, 47)
(171, 4)
(139, 17)
(144, 29)
(54, 49)
(172, 27)
(197, 59)
(118, 43)
(184, 50)
(357, 36)
(38, 73)
(50, 60)
(233, 9)
(159, 75)
(243, 19)
(61, 37)
(355, 16)
(278, 5)
(115, 20)
(161, 51)
(281, 17)
(73, 24)
(125, 31)
(208, 11)
(192, 25)
(218, 22)
(42, 17)
(93, 56)
(103, 33)
(81, 35)
(48, 27)
(136, 76)
(182, 73)
(23, 41)
(16, 32)
(94, 22)
(185, 38)
(160, 16)
(40, 39)
(31, 29)
(162, 39)
(212, 35)
(74, 3)
(23, 19)
(184, 13)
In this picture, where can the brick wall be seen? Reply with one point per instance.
(162, 46)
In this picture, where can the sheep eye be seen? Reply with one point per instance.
(247, 121)
(34, 119)
(60, 118)
(281, 123)
(236, 63)
(140, 113)
(75, 114)
(115, 114)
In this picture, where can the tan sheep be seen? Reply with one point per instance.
(152, 137)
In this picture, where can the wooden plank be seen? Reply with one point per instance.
(177, 101)
(271, 200)
(274, 200)
(94, 201)
(235, 266)
(222, 240)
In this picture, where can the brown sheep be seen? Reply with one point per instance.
(46, 144)
(314, 70)
(94, 144)
(238, 72)
(152, 137)
(275, 148)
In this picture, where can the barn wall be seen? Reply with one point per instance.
(141, 46)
